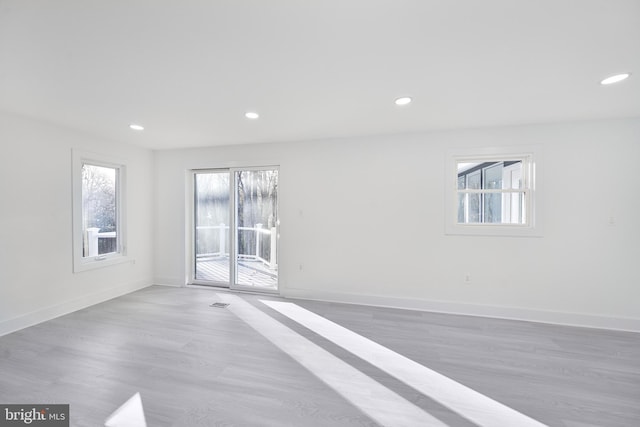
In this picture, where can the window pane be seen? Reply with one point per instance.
(212, 238)
(492, 202)
(473, 180)
(461, 198)
(514, 208)
(257, 221)
(492, 208)
(99, 210)
(493, 177)
(512, 175)
(473, 200)
(466, 167)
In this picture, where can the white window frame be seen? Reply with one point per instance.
(81, 263)
(531, 185)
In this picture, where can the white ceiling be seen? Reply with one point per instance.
(188, 70)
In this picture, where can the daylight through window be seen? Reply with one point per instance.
(99, 210)
(493, 191)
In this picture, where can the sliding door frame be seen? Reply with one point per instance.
(190, 224)
(234, 239)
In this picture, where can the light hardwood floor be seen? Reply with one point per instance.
(195, 365)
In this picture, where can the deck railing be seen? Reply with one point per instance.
(254, 243)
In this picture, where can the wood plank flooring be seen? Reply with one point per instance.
(195, 365)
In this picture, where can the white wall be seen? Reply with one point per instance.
(365, 218)
(36, 267)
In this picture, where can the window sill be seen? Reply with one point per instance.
(92, 264)
(493, 230)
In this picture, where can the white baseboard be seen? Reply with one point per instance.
(53, 311)
(168, 285)
(169, 281)
(512, 313)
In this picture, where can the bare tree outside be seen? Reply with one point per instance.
(99, 205)
(257, 204)
(250, 225)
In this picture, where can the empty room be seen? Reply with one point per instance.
(320, 213)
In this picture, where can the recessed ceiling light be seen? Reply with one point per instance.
(136, 127)
(615, 79)
(251, 115)
(403, 101)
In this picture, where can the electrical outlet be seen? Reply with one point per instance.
(467, 278)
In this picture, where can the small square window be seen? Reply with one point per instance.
(491, 193)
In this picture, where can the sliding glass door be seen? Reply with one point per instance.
(256, 228)
(236, 228)
(212, 242)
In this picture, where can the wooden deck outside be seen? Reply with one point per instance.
(250, 272)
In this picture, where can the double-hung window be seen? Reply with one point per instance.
(98, 211)
(492, 194)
